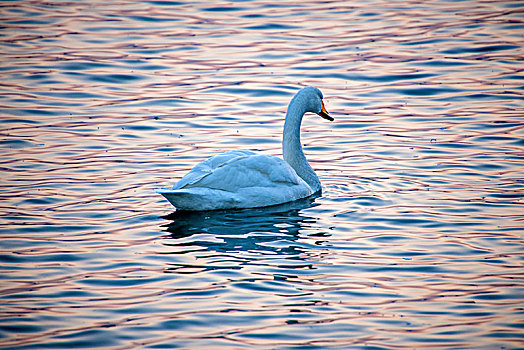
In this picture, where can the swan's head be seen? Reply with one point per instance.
(311, 98)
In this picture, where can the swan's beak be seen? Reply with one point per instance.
(324, 114)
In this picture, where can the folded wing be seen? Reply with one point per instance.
(237, 179)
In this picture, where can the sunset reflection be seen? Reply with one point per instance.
(415, 242)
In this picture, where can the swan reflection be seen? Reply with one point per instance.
(242, 230)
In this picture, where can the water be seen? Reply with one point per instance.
(416, 241)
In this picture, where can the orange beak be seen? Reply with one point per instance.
(324, 113)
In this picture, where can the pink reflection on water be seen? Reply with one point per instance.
(415, 242)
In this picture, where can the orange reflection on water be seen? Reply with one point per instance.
(415, 242)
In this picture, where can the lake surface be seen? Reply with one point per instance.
(416, 241)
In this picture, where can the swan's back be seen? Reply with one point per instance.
(237, 179)
(209, 166)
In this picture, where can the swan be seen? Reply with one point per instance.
(242, 179)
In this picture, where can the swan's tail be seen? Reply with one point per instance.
(198, 199)
(182, 199)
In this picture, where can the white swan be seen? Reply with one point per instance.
(244, 179)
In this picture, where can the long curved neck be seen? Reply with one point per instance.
(292, 148)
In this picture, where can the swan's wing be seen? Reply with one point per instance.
(208, 166)
(235, 170)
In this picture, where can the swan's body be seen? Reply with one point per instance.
(244, 179)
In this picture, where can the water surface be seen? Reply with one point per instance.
(416, 241)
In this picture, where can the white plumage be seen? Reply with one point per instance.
(244, 179)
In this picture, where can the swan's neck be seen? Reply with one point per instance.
(292, 148)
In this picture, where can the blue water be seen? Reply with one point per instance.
(416, 241)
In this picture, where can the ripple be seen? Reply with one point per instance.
(488, 48)
(415, 242)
